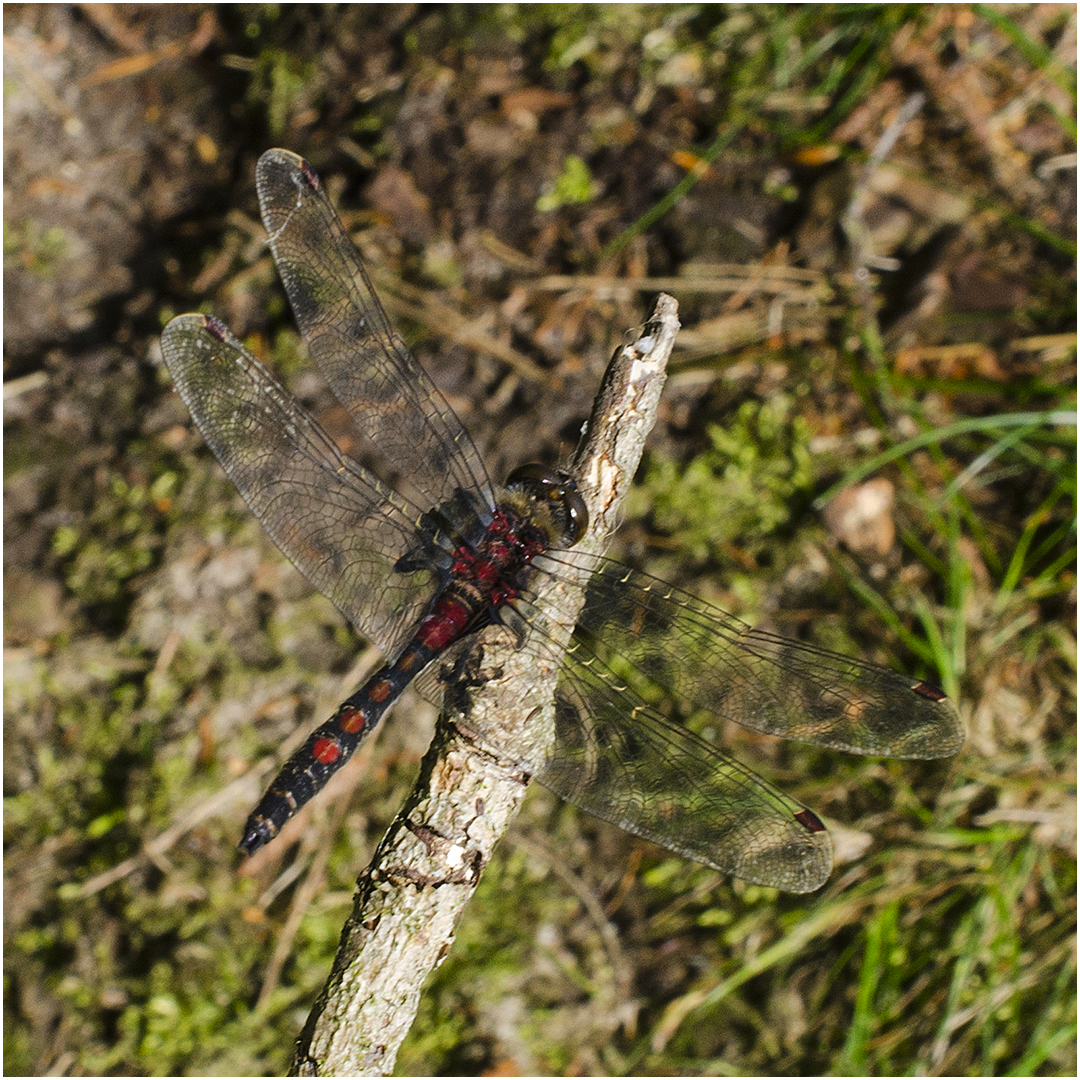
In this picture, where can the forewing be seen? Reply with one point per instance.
(390, 396)
(340, 527)
(760, 680)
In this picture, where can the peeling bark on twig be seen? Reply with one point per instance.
(425, 869)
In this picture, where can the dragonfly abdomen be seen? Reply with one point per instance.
(330, 745)
(493, 570)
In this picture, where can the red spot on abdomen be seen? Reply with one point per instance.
(352, 721)
(409, 660)
(326, 751)
(381, 690)
(445, 624)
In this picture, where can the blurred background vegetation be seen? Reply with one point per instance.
(868, 216)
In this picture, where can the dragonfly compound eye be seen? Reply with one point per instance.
(559, 491)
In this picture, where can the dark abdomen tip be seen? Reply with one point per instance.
(258, 832)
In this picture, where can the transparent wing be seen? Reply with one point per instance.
(651, 633)
(341, 528)
(763, 681)
(624, 762)
(389, 395)
(622, 759)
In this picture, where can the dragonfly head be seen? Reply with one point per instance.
(556, 494)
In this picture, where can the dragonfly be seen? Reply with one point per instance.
(421, 564)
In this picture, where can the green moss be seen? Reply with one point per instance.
(282, 83)
(742, 489)
(34, 248)
(120, 538)
(573, 185)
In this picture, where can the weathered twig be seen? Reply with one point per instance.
(409, 899)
